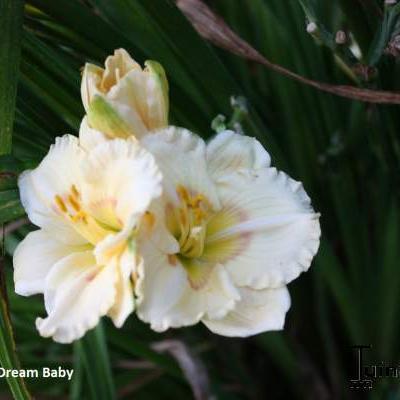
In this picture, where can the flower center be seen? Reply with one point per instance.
(189, 222)
(69, 205)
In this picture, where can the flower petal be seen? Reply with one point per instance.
(166, 298)
(257, 311)
(228, 152)
(90, 86)
(181, 156)
(266, 233)
(124, 302)
(159, 235)
(97, 81)
(129, 99)
(145, 94)
(117, 66)
(114, 118)
(114, 244)
(33, 259)
(121, 179)
(89, 138)
(78, 293)
(213, 300)
(157, 99)
(161, 282)
(56, 174)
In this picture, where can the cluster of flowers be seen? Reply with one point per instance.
(137, 215)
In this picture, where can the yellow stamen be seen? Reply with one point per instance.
(60, 203)
(183, 194)
(192, 216)
(79, 216)
(74, 191)
(149, 220)
(196, 201)
(75, 205)
(81, 219)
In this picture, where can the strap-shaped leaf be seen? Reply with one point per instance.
(10, 27)
(10, 206)
(93, 361)
(10, 32)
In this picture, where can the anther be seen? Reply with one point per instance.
(60, 203)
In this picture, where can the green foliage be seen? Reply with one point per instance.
(92, 353)
(10, 28)
(11, 19)
(346, 153)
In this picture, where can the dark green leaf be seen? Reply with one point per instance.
(93, 353)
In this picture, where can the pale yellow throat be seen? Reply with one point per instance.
(69, 206)
(188, 222)
(99, 219)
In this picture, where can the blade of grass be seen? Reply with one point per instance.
(53, 94)
(331, 272)
(389, 283)
(10, 31)
(93, 352)
(83, 22)
(275, 344)
(10, 206)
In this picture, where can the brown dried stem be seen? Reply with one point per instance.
(214, 29)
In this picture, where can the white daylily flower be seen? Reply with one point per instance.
(89, 207)
(243, 231)
(123, 99)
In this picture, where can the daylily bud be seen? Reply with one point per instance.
(123, 99)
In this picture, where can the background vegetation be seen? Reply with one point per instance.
(346, 152)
